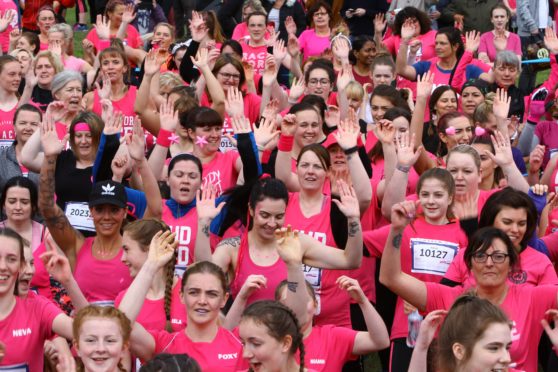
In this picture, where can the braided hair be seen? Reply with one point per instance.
(280, 321)
(142, 231)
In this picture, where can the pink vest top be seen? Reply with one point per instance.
(100, 280)
(246, 267)
(7, 131)
(333, 303)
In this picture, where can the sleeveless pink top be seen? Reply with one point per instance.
(186, 228)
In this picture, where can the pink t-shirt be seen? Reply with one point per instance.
(152, 314)
(333, 302)
(275, 274)
(547, 133)
(241, 33)
(533, 269)
(7, 130)
(186, 229)
(327, 348)
(133, 38)
(255, 56)
(115, 275)
(8, 5)
(24, 332)
(251, 111)
(73, 63)
(221, 171)
(487, 45)
(524, 305)
(425, 254)
(312, 44)
(224, 353)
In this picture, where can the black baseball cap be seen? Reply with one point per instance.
(108, 192)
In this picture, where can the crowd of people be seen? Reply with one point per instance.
(293, 191)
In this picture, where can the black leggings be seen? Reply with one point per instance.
(400, 355)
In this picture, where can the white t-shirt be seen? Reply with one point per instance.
(273, 16)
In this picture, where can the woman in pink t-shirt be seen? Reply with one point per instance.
(490, 257)
(315, 40)
(500, 38)
(26, 323)
(61, 37)
(204, 294)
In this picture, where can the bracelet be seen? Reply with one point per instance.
(351, 150)
(285, 143)
(163, 138)
(403, 168)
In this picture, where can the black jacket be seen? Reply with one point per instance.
(296, 11)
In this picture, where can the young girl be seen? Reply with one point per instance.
(10, 77)
(101, 338)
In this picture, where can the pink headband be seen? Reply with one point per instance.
(82, 127)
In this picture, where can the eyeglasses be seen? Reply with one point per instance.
(228, 76)
(320, 14)
(315, 82)
(496, 257)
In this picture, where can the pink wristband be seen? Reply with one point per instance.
(285, 143)
(163, 138)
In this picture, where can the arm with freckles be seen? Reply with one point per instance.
(318, 255)
(407, 287)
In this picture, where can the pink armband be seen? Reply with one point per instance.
(285, 143)
(163, 139)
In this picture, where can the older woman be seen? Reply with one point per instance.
(490, 257)
(60, 40)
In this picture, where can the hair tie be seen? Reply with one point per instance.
(82, 127)
(479, 131)
(450, 131)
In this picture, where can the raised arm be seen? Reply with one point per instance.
(318, 255)
(377, 336)
(168, 118)
(161, 250)
(65, 236)
(407, 287)
(136, 149)
(424, 88)
(149, 117)
(207, 211)
(396, 189)
(252, 284)
(347, 137)
(428, 329)
(504, 158)
(213, 86)
(284, 147)
(401, 66)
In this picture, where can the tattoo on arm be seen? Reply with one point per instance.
(396, 242)
(234, 242)
(292, 286)
(354, 228)
(205, 230)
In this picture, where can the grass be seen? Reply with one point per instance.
(78, 36)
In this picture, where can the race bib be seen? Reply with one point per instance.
(23, 367)
(432, 256)
(79, 215)
(6, 143)
(313, 275)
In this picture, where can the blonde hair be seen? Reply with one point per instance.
(484, 109)
(170, 80)
(52, 58)
(354, 90)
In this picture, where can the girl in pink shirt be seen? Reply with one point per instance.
(204, 294)
(26, 323)
(490, 257)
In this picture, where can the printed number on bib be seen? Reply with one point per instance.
(79, 216)
(432, 256)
